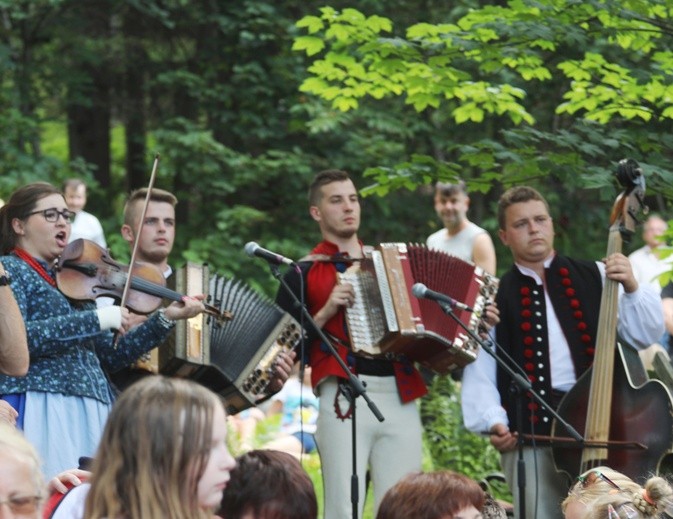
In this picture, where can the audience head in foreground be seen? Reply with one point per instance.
(163, 454)
(268, 484)
(433, 495)
(591, 485)
(21, 481)
(654, 500)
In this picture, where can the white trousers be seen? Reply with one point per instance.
(390, 449)
(545, 487)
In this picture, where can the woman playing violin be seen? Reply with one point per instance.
(64, 400)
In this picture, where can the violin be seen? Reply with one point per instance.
(86, 271)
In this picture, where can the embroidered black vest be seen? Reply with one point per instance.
(574, 288)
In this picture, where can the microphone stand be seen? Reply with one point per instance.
(351, 390)
(520, 385)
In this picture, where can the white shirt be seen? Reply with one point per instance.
(640, 323)
(85, 225)
(72, 504)
(647, 266)
(460, 245)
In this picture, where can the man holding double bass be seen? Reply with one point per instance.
(549, 308)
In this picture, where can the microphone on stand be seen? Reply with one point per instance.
(253, 249)
(423, 292)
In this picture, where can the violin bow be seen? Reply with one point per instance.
(136, 240)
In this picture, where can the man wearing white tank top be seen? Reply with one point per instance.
(460, 236)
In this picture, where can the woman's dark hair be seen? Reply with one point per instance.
(269, 484)
(431, 495)
(19, 205)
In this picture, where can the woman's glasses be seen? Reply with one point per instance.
(22, 505)
(51, 215)
(587, 479)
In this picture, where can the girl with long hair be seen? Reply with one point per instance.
(163, 455)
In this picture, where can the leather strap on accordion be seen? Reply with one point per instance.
(374, 367)
(386, 318)
(380, 366)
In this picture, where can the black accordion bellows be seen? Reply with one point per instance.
(235, 358)
(256, 320)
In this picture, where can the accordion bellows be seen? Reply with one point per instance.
(387, 319)
(234, 359)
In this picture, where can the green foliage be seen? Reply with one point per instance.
(244, 104)
(446, 443)
(439, 61)
(239, 142)
(514, 78)
(451, 446)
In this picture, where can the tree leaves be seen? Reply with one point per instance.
(518, 37)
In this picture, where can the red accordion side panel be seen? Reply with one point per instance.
(417, 328)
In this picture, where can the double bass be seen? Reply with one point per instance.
(625, 418)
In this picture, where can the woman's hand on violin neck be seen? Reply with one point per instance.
(190, 306)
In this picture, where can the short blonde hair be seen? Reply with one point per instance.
(136, 200)
(649, 502)
(14, 444)
(586, 490)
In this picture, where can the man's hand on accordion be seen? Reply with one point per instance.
(489, 318)
(342, 296)
(281, 371)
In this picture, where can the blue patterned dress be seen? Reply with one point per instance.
(65, 398)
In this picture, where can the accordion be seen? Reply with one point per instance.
(387, 319)
(235, 359)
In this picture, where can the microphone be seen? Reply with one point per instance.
(423, 292)
(253, 249)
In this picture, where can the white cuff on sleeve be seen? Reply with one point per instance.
(110, 317)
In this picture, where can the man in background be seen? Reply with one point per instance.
(647, 262)
(85, 225)
(459, 236)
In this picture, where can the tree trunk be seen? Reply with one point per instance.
(88, 92)
(133, 104)
(89, 128)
